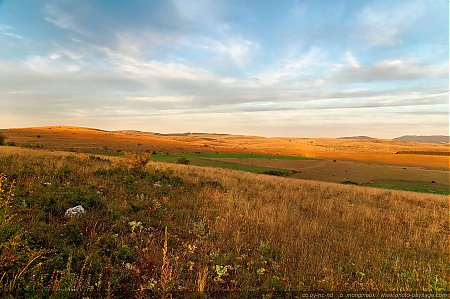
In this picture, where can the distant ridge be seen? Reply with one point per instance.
(136, 132)
(427, 139)
(189, 134)
(358, 137)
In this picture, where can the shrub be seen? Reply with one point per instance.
(277, 172)
(2, 139)
(10, 143)
(30, 145)
(349, 183)
(137, 161)
(183, 160)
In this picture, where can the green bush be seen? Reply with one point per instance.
(2, 139)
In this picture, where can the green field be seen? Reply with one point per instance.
(111, 154)
(213, 160)
(239, 156)
(416, 186)
(203, 160)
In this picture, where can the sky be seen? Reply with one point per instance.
(297, 68)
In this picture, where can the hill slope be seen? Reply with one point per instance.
(226, 230)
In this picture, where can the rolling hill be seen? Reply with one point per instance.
(99, 141)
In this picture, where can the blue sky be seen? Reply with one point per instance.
(271, 68)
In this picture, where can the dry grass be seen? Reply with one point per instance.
(232, 230)
(331, 236)
(166, 269)
(202, 279)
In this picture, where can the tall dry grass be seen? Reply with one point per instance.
(329, 236)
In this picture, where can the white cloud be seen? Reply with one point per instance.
(51, 64)
(160, 99)
(390, 70)
(198, 11)
(291, 69)
(236, 49)
(156, 71)
(217, 36)
(381, 25)
(225, 48)
(352, 60)
(130, 44)
(8, 31)
(144, 42)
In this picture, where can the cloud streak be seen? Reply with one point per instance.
(60, 18)
(8, 32)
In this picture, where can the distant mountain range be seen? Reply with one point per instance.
(428, 139)
(441, 139)
(136, 132)
(358, 137)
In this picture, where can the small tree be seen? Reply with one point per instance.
(2, 139)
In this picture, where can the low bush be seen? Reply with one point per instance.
(137, 161)
(183, 160)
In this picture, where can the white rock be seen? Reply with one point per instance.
(157, 184)
(75, 211)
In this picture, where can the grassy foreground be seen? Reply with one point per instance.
(155, 228)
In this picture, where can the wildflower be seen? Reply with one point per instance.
(191, 265)
(151, 284)
(191, 248)
(135, 225)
